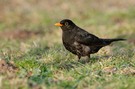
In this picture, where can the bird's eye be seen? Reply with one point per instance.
(66, 23)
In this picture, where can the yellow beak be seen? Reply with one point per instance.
(58, 24)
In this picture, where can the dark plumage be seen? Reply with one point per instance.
(79, 41)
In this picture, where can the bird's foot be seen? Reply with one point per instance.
(84, 60)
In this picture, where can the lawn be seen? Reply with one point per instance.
(32, 55)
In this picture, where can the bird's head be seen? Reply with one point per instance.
(66, 24)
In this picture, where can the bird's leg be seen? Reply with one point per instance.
(79, 57)
(88, 59)
(88, 56)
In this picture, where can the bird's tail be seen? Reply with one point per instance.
(108, 41)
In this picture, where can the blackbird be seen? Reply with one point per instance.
(80, 42)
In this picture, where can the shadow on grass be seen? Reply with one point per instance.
(71, 64)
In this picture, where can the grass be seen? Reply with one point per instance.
(32, 55)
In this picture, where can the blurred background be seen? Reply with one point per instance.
(27, 30)
(23, 21)
(22, 18)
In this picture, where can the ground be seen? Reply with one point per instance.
(32, 55)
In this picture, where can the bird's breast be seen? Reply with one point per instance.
(68, 37)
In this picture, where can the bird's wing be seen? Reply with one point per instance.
(88, 39)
